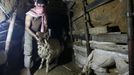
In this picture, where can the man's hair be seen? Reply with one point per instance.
(41, 1)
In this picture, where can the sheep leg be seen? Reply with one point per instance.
(42, 60)
(47, 63)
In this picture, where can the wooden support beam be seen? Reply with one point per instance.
(10, 32)
(130, 22)
(87, 25)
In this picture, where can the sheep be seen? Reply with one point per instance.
(48, 50)
(99, 59)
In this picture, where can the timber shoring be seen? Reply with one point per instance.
(130, 18)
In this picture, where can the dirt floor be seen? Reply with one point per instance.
(67, 69)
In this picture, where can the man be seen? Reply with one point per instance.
(35, 23)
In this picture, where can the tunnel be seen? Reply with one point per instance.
(66, 37)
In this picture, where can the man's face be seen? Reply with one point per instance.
(39, 7)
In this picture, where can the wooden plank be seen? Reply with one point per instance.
(117, 38)
(109, 46)
(98, 30)
(95, 4)
(79, 36)
(103, 29)
(80, 50)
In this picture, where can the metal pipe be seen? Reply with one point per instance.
(130, 18)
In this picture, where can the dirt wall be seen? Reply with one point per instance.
(110, 14)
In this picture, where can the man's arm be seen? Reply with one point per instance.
(28, 20)
(45, 22)
(46, 26)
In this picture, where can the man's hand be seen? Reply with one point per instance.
(43, 35)
(40, 35)
(36, 37)
(49, 32)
